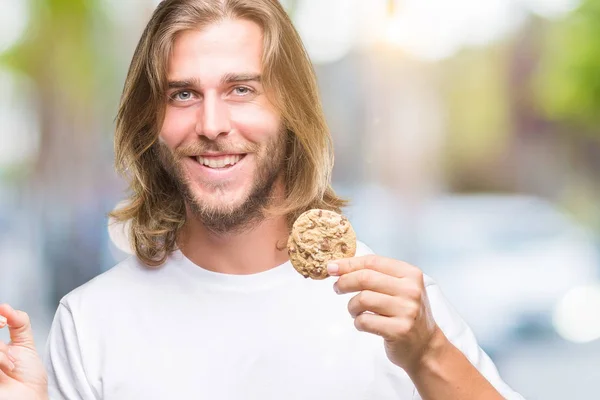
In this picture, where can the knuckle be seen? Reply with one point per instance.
(24, 315)
(413, 292)
(413, 312)
(403, 327)
(363, 278)
(413, 271)
(418, 274)
(370, 259)
(357, 304)
(350, 263)
(363, 299)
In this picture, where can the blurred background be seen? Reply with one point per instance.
(467, 136)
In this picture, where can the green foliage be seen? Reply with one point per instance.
(568, 83)
(58, 50)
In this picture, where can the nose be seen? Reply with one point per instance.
(213, 117)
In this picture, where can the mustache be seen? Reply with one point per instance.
(194, 149)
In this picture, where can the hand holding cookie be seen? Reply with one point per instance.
(391, 302)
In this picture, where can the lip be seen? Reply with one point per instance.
(209, 155)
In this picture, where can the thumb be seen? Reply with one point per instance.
(19, 326)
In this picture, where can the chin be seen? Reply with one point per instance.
(221, 200)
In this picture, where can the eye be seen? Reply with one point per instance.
(184, 95)
(242, 90)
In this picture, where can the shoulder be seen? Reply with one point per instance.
(112, 287)
(98, 310)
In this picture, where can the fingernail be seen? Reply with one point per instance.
(3, 321)
(335, 288)
(332, 269)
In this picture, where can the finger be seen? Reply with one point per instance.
(6, 365)
(3, 321)
(387, 266)
(367, 279)
(4, 348)
(374, 302)
(19, 326)
(3, 371)
(388, 328)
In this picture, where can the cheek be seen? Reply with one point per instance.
(257, 124)
(178, 124)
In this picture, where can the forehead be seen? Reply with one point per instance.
(228, 46)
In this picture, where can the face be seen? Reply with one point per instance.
(222, 140)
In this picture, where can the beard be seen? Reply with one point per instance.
(221, 219)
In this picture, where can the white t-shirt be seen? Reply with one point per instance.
(183, 332)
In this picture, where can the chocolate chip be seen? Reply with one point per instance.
(344, 248)
(320, 213)
(325, 245)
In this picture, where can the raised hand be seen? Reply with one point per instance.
(391, 302)
(22, 374)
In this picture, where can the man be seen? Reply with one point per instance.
(221, 134)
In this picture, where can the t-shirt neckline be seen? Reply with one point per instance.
(261, 280)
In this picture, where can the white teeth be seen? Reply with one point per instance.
(219, 162)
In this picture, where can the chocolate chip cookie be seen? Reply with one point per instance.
(319, 236)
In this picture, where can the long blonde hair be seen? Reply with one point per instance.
(155, 210)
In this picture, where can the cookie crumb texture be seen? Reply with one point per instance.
(319, 236)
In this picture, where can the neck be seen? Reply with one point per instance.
(258, 248)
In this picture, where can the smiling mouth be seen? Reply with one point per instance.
(220, 161)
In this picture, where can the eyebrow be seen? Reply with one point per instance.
(184, 83)
(227, 78)
(234, 78)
